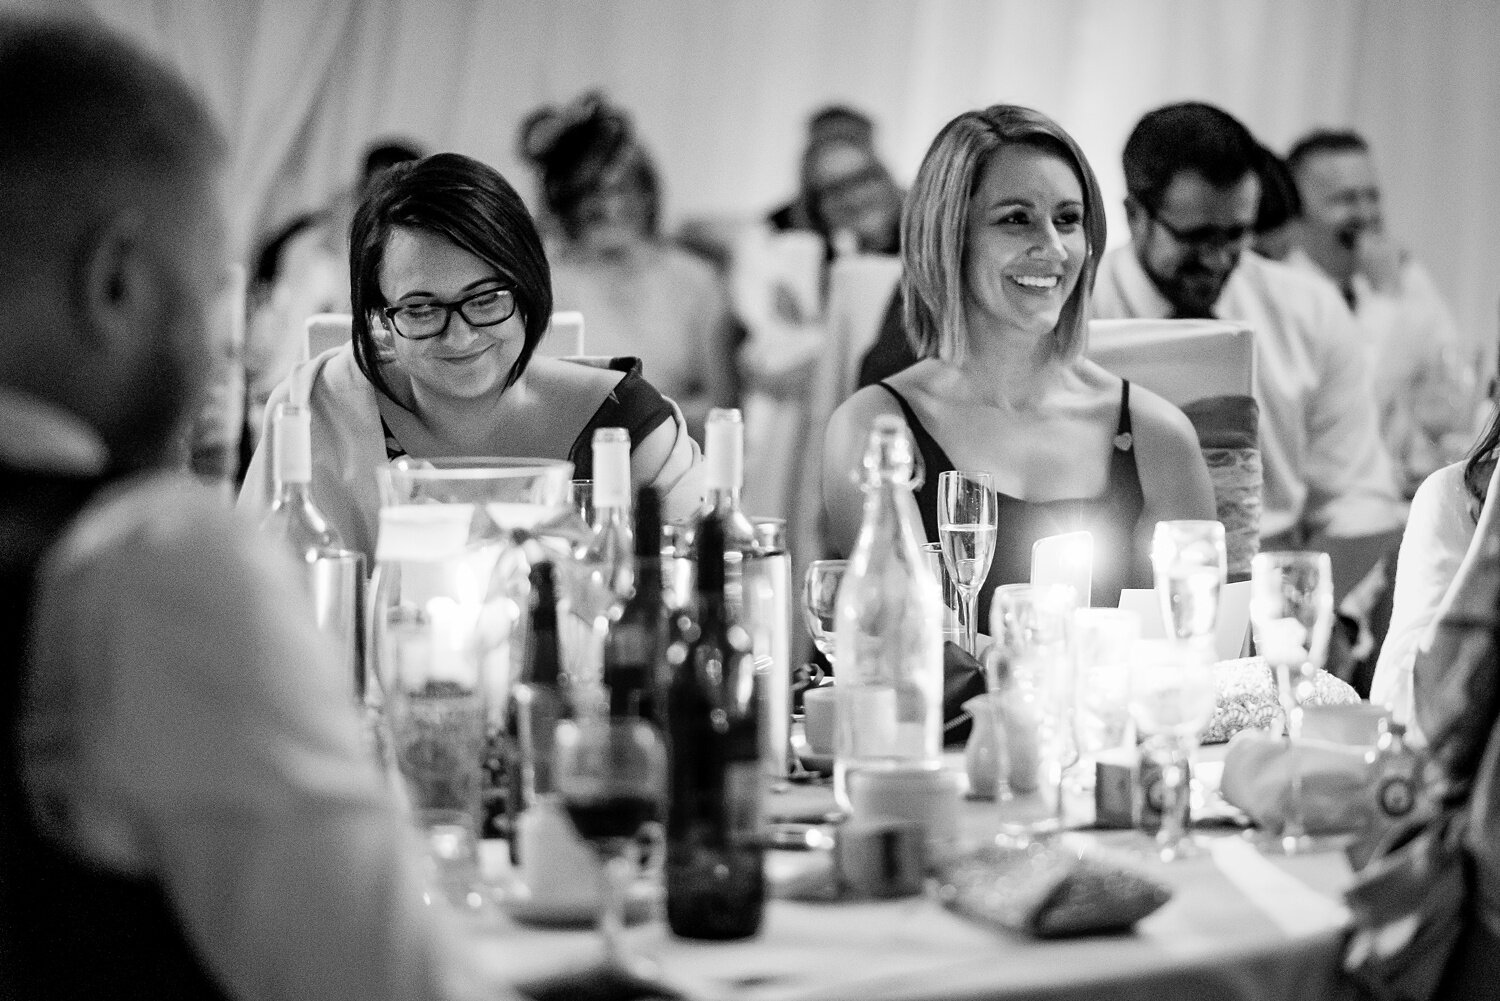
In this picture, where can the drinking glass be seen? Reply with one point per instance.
(967, 522)
(1291, 610)
(953, 629)
(450, 579)
(1172, 698)
(1104, 642)
(820, 592)
(1191, 565)
(1030, 675)
(611, 772)
(581, 499)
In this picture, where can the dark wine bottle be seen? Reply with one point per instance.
(537, 703)
(635, 648)
(715, 865)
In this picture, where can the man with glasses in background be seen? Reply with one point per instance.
(1193, 190)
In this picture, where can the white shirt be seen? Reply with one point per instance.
(1412, 348)
(1324, 468)
(1438, 532)
(183, 721)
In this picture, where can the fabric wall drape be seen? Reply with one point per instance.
(720, 89)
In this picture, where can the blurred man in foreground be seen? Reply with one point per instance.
(185, 808)
(1424, 382)
(1193, 183)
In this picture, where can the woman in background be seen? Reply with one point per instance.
(639, 294)
(1438, 538)
(451, 292)
(1000, 238)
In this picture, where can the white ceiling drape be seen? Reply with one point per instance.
(720, 88)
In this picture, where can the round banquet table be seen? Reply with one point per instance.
(1240, 925)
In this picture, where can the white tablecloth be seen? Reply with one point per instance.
(1239, 926)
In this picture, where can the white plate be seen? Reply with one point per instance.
(515, 899)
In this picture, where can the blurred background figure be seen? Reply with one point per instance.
(847, 195)
(1426, 383)
(1280, 209)
(640, 295)
(294, 275)
(299, 270)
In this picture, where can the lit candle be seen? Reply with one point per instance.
(1065, 559)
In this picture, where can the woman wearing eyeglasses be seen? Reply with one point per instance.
(1000, 238)
(451, 292)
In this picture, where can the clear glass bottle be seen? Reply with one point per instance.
(888, 624)
(610, 554)
(293, 517)
(715, 861)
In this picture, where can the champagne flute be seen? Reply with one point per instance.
(1190, 564)
(1172, 698)
(1291, 609)
(967, 523)
(820, 592)
(611, 772)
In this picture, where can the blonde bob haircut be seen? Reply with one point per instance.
(935, 228)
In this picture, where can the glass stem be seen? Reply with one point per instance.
(1174, 809)
(615, 879)
(1296, 825)
(971, 627)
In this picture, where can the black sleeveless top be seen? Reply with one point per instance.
(634, 404)
(68, 931)
(1111, 517)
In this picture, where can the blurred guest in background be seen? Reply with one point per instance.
(295, 275)
(1438, 538)
(299, 271)
(1000, 238)
(1193, 183)
(451, 293)
(639, 294)
(847, 195)
(186, 809)
(1280, 208)
(1426, 384)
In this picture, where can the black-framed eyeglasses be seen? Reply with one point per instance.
(419, 321)
(1210, 238)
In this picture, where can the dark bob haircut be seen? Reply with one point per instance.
(467, 202)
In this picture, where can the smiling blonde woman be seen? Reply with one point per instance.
(1000, 238)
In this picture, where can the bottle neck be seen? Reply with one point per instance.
(611, 474)
(722, 499)
(543, 663)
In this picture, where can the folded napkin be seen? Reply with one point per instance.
(1335, 782)
(1048, 891)
(963, 678)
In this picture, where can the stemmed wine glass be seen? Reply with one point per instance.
(1291, 610)
(1190, 564)
(1172, 698)
(820, 592)
(967, 523)
(611, 772)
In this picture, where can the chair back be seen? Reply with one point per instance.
(1181, 360)
(1207, 368)
(327, 330)
(564, 336)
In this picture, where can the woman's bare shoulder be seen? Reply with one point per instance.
(568, 386)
